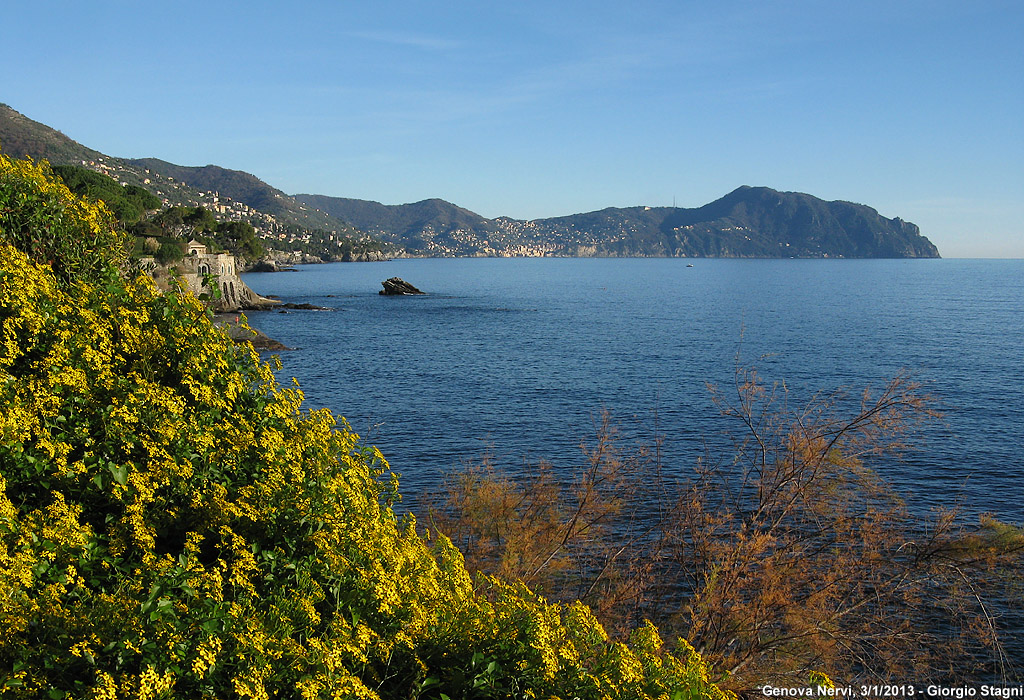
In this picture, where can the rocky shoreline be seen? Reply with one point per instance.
(280, 261)
(244, 333)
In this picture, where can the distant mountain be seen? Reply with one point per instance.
(760, 222)
(755, 222)
(748, 222)
(431, 227)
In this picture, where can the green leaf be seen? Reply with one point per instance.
(120, 472)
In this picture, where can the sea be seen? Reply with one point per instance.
(515, 360)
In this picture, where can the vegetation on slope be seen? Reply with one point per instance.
(21, 137)
(286, 224)
(185, 223)
(41, 217)
(128, 202)
(175, 524)
(426, 227)
(249, 189)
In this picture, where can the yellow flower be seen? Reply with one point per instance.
(206, 656)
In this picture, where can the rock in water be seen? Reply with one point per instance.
(396, 286)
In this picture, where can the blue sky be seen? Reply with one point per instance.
(534, 109)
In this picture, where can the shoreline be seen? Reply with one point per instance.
(232, 325)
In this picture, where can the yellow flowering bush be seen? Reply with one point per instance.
(173, 523)
(40, 216)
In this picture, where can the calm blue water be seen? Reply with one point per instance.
(518, 356)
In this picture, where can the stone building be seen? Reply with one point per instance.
(200, 269)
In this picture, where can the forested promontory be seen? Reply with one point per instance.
(750, 222)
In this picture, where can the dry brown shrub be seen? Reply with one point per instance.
(787, 556)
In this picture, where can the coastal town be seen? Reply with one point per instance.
(178, 193)
(297, 234)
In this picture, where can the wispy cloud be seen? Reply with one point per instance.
(429, 80)
(410, 39)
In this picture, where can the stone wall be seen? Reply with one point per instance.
(199, 269)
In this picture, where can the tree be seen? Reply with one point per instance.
(200, 219)
(171, 221)
(128, 202)
(146, 200)
(239, 237)
(169, 251)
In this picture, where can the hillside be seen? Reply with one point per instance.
(756, 222)
(748, 222)
(761, 222)
(231, 195)
(430, 227)
(248, 189)
(21, 137)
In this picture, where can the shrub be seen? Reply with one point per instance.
(175, 524)
(128, 203)
(782, 555)
(40, 216)
(170, 251)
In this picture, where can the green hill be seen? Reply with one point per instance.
(248, 189)
(761, 222)
(756, 222)
(430, 227)
(21, 137)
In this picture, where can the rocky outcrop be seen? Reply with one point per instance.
(365, 256)
(243, 333)
(279, 260)
(263, 266)
(303, 306)
(396, 286)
